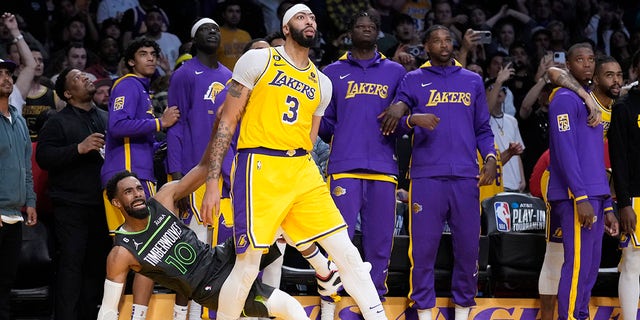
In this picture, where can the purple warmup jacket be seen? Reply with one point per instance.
(131, 128)
(457, 97)
(198, 91)
(361, 91)
(577, 152)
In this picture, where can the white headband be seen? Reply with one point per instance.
(293, 11)
(199, 23)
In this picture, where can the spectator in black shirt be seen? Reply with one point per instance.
(70, 149)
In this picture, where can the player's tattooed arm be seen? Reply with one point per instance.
(563, 78)
(225, 127)
(227, 120)
(219, 148)
(235, 89)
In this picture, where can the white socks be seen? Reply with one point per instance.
(327, 310)
(273, 272)
(424, 314)
(319, 262)
(138, 312)
(462, 313)
(195, 310)
(628, 287)
(180, 312)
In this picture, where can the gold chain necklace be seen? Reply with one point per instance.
(500, 125)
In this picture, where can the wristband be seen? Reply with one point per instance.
(18, 38)
(491, 155)
(409, 121)
(581, 199)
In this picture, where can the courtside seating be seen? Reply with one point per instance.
(515, 225)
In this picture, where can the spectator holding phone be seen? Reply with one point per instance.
(472, 49)
(409, 52)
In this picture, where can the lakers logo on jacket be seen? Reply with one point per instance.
(214, 89)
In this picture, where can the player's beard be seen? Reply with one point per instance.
(141, 213)
(299, 37)
(610, 93)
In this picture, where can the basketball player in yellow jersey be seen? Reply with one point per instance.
(503, 157)
(281, 96)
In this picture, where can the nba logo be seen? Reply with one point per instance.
(503, 216)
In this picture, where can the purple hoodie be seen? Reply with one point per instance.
(362, 89)
(457, 97)
(577, 153)
(131, 129)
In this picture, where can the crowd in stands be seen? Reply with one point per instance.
(526, 38)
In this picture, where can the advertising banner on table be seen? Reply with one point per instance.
(602, 308)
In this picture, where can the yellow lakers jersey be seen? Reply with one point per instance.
(606, 113)
(497, 186)
(280, 109)
(606, 118)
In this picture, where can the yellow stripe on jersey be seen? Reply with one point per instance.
(151, 186)
(127, 154)
(428, 64)
(581, 198)
(605, 111)
(553, 93)
(544, 189)
(366, 176)
(122, 78)
(544, 184)
(280, 109)
(575, 273)
(635, 237)
(410, 251)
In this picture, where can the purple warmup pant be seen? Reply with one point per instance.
(582, 250)
(434, 201)
(375, 201)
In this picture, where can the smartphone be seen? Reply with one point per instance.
(558, 57)
(506, 61)
(485, 37)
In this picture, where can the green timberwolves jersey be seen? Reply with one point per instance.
(171, 254)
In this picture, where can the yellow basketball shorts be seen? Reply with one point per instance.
(272, 188)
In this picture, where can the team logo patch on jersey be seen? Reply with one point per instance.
(416, 207)
(563, 122)
(503, 216)
(242, 241)
(118, 103)
(212, 92)
(558, 233)
(278, 61)
(339, 191)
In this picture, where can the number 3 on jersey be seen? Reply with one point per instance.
(291, 116)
